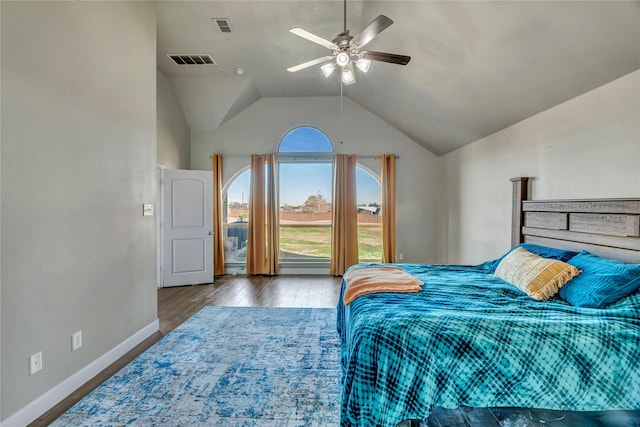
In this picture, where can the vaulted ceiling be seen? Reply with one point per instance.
(477, 66)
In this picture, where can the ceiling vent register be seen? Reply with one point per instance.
(223, 25)
(193, 59)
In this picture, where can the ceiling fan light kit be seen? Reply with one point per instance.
(327, 69)
(348, 74)
(363, 64)
(342, 59)
(346, 50)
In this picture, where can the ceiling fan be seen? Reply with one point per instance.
(346, 50)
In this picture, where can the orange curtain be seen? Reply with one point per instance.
(388, 178)
(262, 245)
(218, 231)
(273, 231)
(344, 231)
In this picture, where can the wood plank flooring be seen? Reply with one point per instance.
(175, 305)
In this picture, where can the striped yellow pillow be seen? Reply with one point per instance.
(540, 278)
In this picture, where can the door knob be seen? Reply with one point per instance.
(211, 233)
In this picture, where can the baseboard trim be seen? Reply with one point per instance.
(52, 397)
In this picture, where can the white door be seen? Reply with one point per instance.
(186, 227)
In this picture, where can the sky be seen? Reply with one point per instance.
(300, 180)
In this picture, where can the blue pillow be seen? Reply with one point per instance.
(563, 255)
(602, 281)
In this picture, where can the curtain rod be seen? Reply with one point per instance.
(308, 156)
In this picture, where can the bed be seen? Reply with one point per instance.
(469, 338)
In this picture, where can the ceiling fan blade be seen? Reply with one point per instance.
(312, 37)
(370, 32)
(309, 64)
(386, 57)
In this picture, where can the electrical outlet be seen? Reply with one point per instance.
(35, 363)
(400, 257)
(76, 341)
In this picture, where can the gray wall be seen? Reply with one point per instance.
(78, 161)
(174, 135)
(1, 417)
(259, 128)
(586, 147)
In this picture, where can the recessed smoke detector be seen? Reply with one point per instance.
(192, 59)
(223, 25)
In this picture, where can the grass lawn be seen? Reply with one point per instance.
(370, 243)
(315, 241)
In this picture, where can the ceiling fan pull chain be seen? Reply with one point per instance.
(341, 117)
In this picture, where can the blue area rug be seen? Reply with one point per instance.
(227, 366)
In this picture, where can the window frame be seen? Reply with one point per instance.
(379, 182)
(305, 157)
(281, 153)
(225, 193)
(289, 157)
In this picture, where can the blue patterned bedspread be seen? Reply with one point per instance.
(470, 339)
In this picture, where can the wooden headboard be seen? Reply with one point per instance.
(606, 227)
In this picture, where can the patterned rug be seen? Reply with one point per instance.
(227, 366)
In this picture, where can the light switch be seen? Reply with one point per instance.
(147, 209)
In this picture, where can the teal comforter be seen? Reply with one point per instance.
(470, 339)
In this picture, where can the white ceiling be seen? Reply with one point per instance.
(477, 66)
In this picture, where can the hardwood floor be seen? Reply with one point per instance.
(175, 305)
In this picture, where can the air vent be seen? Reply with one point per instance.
(193, 59)
(223, 25)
